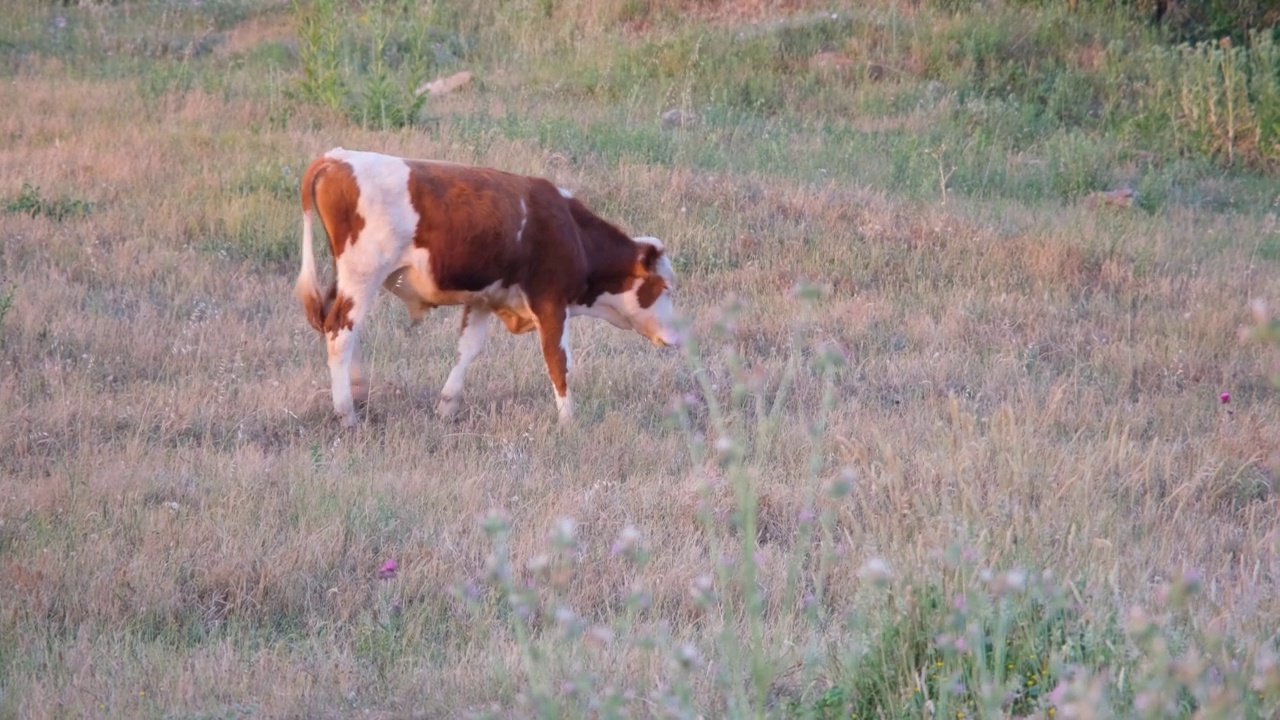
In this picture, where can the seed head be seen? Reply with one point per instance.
(565, 532)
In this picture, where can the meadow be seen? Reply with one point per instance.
(957, 435)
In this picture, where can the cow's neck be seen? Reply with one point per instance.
(611, 255)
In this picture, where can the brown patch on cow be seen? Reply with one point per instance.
(650, 290)
(616, 261)
(335, 195)
(329, 187)
(315, 309)
(338, 316)
(467, 221)
(551, 332)
(648, 259)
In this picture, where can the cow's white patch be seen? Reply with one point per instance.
(606, 307)
(524, 218)
(564, 193)
(564, 342)
(565, 406)
(649, 240)
(389, 219)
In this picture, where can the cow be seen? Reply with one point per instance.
(435, 233)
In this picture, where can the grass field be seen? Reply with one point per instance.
(951, 440)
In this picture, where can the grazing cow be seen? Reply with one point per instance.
(437, 233)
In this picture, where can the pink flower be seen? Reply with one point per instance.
(1225, 398)
(388, 570)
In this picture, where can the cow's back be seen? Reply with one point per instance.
(482, 226)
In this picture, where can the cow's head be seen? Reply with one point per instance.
(643, 300)
(649, 300)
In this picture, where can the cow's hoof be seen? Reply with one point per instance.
(565, 410)
(448, 407)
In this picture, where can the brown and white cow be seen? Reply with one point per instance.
(437, 233)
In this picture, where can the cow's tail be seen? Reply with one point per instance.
(307, 288)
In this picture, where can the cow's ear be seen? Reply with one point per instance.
(649, 255)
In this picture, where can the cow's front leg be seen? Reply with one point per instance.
(553, 329)
(475, 330)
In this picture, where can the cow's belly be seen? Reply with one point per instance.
(414, 285)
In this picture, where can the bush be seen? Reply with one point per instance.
(1220, 100)
(1188, 21)
(30, 202)
(364, 65)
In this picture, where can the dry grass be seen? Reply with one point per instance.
(186, 531)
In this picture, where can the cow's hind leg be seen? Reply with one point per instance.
(475, 330)
(342, 332)
(553, 330)
(359, 382)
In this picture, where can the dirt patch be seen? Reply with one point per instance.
(273, 27)
(722, 12)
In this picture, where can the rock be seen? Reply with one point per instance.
(675, 117)
(445, 85)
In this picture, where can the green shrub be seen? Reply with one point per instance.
(364, 65)
(30, 202)
(1219, 100)
(1214, 19)
(1077, 164)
